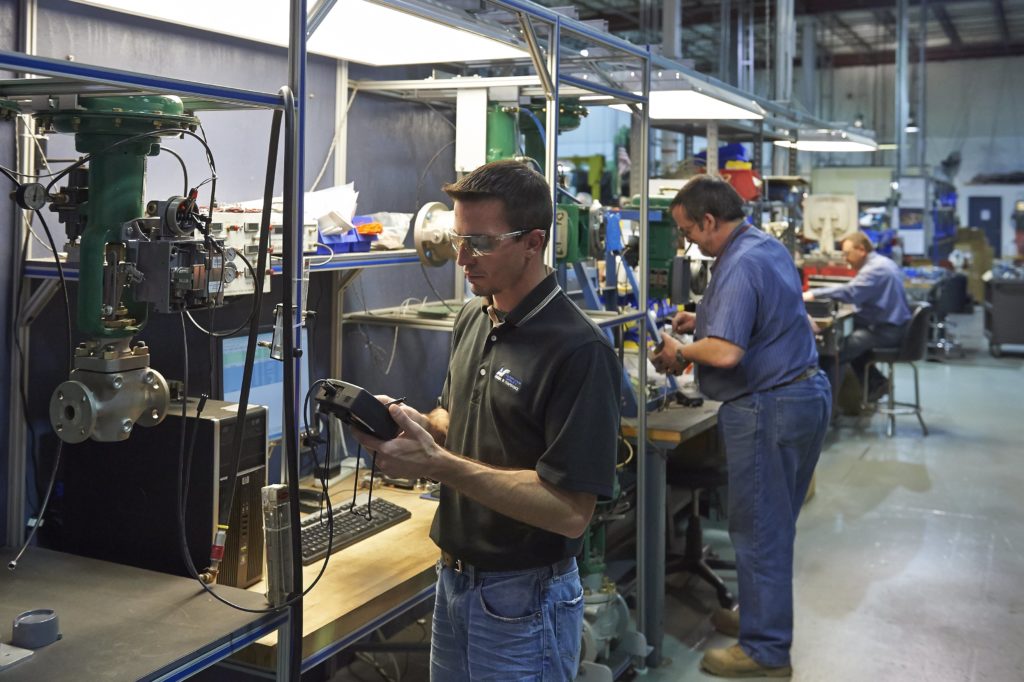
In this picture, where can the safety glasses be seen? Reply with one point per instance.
(481, 244)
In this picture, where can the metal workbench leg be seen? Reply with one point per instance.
(283, 642)
(651, 570)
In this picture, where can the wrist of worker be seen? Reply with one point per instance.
(680, 360)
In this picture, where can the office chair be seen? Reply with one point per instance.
(913, 349)
(696, 558)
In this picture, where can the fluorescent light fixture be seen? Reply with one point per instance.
(354, 30)
(826, 140)
(691, 105)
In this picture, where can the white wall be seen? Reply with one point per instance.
(1010, 195)
(973, 107)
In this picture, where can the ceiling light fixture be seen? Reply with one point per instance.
(354, 30)
(830, 140)
(691, 105)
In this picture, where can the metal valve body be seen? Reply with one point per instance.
(111, 389)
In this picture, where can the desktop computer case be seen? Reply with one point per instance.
(117, 501)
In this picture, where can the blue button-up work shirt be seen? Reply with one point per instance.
(877, 291)
(754, 301)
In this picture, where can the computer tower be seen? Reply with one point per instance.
(118, 501)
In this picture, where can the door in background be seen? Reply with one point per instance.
(987, 213)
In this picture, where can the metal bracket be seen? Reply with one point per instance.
(536, 55)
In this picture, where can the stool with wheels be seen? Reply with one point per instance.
(696, 558)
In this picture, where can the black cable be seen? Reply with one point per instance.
(355, 485)
(163, 132)
(10, 175)
(248, 320)
(434, 289)
(290, 449)
(187, 477)
(307, 413)
(183, 504)
(13, 564)
(426, 169)
(22, 389)
(13, 174)
(184, 170)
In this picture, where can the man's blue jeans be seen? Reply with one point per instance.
(772, 443)
(517, 625)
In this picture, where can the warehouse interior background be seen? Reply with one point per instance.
(907, 557)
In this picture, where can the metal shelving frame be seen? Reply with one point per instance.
(55, 77)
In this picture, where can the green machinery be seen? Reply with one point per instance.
(515, 131)
(663, 241)
(8, 109)
(133, 257)
(505, 124)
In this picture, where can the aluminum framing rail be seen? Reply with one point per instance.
(276, 621)
(45, 66)
(572, 26)
(531, 85)
(776, 115)
(396, 316)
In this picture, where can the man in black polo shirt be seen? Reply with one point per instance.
(523, 443)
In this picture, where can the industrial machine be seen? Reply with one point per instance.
(611, 644)
(133, 256)
(515, 131)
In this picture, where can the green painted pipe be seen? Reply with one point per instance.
(502, 135)
(117, 179)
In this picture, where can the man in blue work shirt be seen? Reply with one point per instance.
(882, 311)
(755, 352)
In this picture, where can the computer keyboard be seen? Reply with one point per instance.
(349, 528)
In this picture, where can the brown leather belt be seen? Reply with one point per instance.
(806, 374)
(459, 566)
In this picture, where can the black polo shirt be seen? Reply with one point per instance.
(539, 391)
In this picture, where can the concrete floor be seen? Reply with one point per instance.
(910, 558)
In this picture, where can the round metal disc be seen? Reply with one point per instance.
(73, 412)
(432, 245)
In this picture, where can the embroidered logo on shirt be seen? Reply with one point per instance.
(504, 375)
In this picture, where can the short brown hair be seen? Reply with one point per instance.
(523, 192)
(709, 195)
(858, 239)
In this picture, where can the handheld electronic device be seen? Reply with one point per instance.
(356, 406)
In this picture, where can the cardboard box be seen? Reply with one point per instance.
(972, 242)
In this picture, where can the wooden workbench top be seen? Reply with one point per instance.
(364, 580)
(676, 423)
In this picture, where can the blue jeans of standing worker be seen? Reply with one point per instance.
(515, 625)
(772, 442)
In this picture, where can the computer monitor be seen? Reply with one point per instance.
(827, 217)
(267, 386)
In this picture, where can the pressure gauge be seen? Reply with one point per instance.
(31, 196)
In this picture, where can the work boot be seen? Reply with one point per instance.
(877, 391)
(726, 621)
(734, 662)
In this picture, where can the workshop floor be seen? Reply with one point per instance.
(909, 558)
